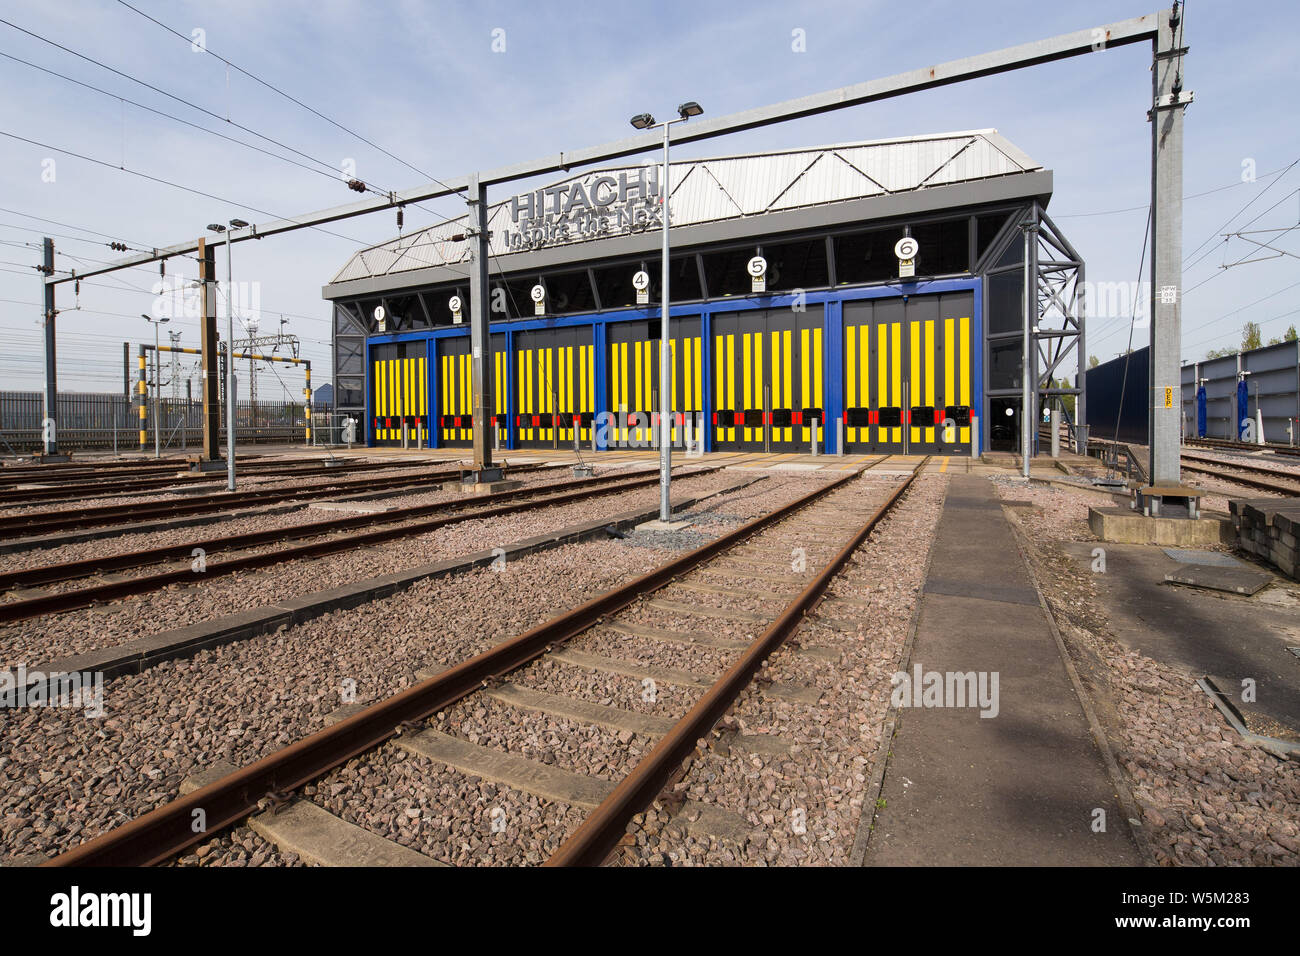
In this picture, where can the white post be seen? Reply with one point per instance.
(665, 397)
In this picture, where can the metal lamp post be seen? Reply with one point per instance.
(157, 386)
(645, 121)
(230, 353)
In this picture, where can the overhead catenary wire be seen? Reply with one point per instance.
(332, 174)
(165, 182)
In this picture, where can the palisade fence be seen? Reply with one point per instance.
(108, 421)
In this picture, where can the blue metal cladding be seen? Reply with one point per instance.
(1243, 408)
(832, 355)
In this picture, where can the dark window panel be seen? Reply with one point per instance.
(945, 247)
(866, 256)
(1005, 365)
(1006, 302)
(797, 265)
(986, 230)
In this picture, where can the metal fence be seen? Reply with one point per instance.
(109, 421)
(1119, 396)
(1272, 377)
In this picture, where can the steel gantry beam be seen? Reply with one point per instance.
(1154, 28)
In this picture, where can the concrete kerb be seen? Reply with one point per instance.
(139, 655)
(1128, 804)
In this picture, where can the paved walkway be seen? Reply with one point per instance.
(1018, 788)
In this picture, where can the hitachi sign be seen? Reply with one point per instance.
(574, 211)
(605, 191)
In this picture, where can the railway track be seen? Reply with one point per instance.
(122, 487)
(37, 523)
(1206, 466)
(1286, 450)
(333, 536)
(832, 522)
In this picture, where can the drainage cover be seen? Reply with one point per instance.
(1214, 558)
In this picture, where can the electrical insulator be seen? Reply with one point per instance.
(357, 185)
(399, 219)
(117, 246)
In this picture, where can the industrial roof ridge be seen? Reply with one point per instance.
(743, 185)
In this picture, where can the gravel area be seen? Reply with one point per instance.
(67, 778)
(804, 807)
(233, 523)
(43, 639)
(1206, 796)
(248, 481)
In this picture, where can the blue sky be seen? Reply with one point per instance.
(422, 81)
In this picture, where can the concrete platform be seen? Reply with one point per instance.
(1125, 526)
(1200, 631)
(1021, 785)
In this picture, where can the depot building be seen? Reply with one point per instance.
(867, 293)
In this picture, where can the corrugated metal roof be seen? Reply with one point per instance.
(732, 187)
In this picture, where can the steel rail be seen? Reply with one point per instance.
(167, 830)
(122, 486)
(86, 596)
(1288, 450)
(121, 514)
(604, 826)
(1256, 469)
(1288, 491)
(68, 570)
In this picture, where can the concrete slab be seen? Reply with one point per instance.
(704, 610)
(675, 637)
(1218, 578)
(530, 776)
(482, 487)
(1213, 558)
(361, 507)
(657, 525)
(614, 665)
(1016, 788)
(615, 718)
(1125, 526)
(210, 774)
(1201, 632)
(321, 838)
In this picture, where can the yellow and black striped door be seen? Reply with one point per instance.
(633, 380)
(686, 349)
(454, 383)
(555, 384)
(907, 375)
(399, 393)
(768, 380)
(632, 373)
